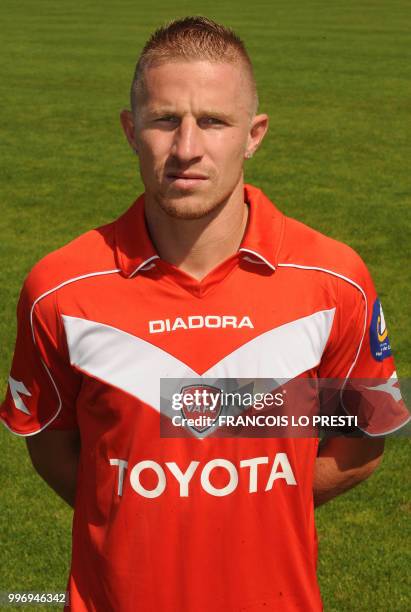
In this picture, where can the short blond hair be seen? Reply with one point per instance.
(192, 38)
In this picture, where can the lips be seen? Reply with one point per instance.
(186, 180)
(187, 176)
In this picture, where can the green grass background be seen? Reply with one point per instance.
(334, 78)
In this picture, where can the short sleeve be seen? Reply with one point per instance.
(358, 358)
(42, 386)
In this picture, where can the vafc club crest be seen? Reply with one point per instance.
(202, 405)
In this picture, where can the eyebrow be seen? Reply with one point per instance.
(168, 110)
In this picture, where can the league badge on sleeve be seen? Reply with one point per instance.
(379, 341)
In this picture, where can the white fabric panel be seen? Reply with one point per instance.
(136, 366)
(120, 359)
(282, 352)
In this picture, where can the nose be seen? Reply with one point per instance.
(188, 141)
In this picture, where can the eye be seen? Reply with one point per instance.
(167, 120)
(207, 121)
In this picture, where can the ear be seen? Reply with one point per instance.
(128, 125)
(258, 129)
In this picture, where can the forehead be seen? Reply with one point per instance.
(202, 83)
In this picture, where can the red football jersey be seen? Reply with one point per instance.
(187, 524)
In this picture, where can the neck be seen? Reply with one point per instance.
(196, 246)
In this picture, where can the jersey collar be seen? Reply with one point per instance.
(264, 230)
(135, 251)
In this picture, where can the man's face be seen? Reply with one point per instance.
(191, 131)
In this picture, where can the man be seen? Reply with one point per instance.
(187, 523)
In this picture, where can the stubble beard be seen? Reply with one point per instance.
(182, 208)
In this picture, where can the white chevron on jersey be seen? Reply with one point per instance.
(283, 352)
(136, 366)
(121, 359)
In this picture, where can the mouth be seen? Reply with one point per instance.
(186, 180)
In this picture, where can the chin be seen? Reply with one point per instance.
(183, 208)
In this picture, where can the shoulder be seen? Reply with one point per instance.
(305, 248)
(88, 254)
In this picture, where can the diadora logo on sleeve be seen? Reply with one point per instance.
(17, 389)
(197, 322)
(379, 341)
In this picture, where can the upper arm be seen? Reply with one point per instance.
(353, 454)
(55, 456)
(53, 446)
